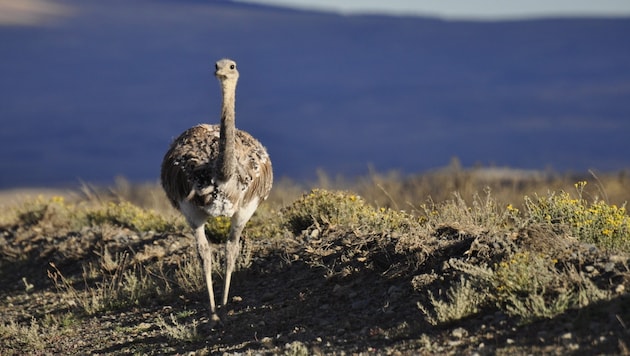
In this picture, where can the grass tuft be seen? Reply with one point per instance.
(121, 285)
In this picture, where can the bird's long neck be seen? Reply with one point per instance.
(227, 150)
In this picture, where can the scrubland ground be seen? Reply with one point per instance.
(451, 262)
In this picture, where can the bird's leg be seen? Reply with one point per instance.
(205, 252)
(232, 250)
(233, 245)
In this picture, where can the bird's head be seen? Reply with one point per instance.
(225, 70)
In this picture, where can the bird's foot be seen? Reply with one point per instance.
(214, 323)
(215, 320)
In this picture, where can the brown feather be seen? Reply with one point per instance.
(190, 171)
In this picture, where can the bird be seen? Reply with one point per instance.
(217, 170)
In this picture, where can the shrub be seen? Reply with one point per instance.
(50, 214)
(596, 222)
(527, 285)
(177, 331)
(28, 336)
(462, 300)
(338, 209)
(55, 213)
(218, 228)
(481, 214)
(130, 216)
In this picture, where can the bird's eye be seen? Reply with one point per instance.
(232, 66)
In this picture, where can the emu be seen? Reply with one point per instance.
(217, 170)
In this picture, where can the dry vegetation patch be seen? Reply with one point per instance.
(325, 271)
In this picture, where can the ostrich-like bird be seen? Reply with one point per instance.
(217, 170)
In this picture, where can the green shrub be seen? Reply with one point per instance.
(218, 228)
(462, 300)
(130, 216)
(55, 213)
(324, 208)
(32, 335)
(178, 331)
(527, 285)
(50, 214)
(596, 222)
(483, 213)
(338, 209)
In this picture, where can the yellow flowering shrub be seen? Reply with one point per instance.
(334, 209)
(50, 213)
(596, 222)
(130, 216)
(218, 228)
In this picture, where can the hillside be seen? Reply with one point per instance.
(324, 273)
(102, 90)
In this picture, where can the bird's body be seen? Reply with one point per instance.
(190, 170)
(217, 170)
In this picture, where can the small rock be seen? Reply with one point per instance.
(609, 267)
(589, 269)
(566, 338)
(266, 341)
(459, 333)
(509, 341)
(620, 288)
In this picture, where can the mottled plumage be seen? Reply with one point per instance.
(217, 170)
(191, 164)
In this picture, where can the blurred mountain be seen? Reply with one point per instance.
(101, 90)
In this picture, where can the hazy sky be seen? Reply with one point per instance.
(467, 9)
